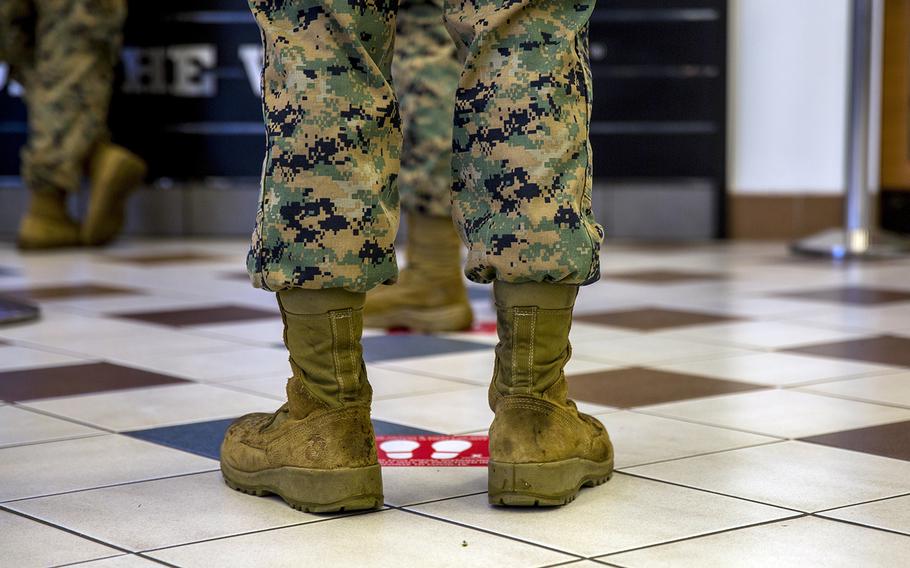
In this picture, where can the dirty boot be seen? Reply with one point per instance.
(430, 294)
(318, 451)
(114, 172)
(46, 224)
(542, 450)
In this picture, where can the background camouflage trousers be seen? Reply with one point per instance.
(520, 153)
(63, 52)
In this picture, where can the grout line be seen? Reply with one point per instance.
(336, 517)
(704, 535)
(435, 500)
(98, 487)
(782, 507)
(865, 526)
(489, 532)
(64, 529)
(702, 454)
(820, 511)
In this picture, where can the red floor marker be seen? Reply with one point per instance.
(433, 451)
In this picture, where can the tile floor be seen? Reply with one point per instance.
(760, 407)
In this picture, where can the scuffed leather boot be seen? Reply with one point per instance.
(46, 224)
(318, 451)
(114, 172)
(542, 450)
(430, 294)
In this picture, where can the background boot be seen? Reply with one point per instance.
(430, 294)
(318, 451)
(114, 172)
(542, 449)
(47, 224)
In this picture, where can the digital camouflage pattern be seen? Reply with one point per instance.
(425, 73)
(63, 52)
(521, 159)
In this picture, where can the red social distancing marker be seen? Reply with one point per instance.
(433, 451)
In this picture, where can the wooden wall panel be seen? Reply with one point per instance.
(895, 168)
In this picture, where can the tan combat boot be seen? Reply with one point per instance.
(114, 172)
(46, 224)
(430, 294)
(318, 451)
(542, 450)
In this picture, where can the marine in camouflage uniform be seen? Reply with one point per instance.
(63, 52)
(521, 178)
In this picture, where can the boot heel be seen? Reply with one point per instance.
(547, 484)
(313, 490)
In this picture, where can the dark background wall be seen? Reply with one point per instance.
(187, 100)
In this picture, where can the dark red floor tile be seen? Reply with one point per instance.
(68, 380)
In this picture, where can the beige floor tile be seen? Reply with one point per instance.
(15, 358)
(780, 369)
(21, 426)
(787, 544)
(885, 389)
(155, 406)
(29, 544)
(782, 413)
(640, 438)
(167, 512)
(627, 512)
(376, 540)
(889, 514)
(411, 485)
(798, 475)
(649, 349)
(764, 334)
(56, 467)
(477, 367)
(233, 363)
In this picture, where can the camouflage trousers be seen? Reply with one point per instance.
(63, 52)
(520, 164)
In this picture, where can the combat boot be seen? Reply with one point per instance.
(430, 294)
(542, 449)
(46, 224)
(318, 451)
(114, 172)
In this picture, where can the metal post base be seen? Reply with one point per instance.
(859, 244)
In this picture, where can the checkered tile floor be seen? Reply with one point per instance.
(760, 408)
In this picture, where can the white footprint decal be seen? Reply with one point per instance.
(449, 449)
(399, 449)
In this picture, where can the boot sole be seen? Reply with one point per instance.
(548, 484)
(105, 215)
(312, 490)
(456, 317)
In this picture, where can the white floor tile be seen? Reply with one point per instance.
(454, 412)
(236, 362)
(782, 413)
(640, 438)
(25, 427)
(763, 334)
(798, 475)
(778, 369)
(412, 485)
(477, 366)
(885, 389)
(881, 319)
(55, 467)
(26, 543)
(165, 512)
(788, 544)
(136, 409)
(649, 349)
(625, 513)
(263, 332)
(123, 561)
(15, 358)
(384, 539)
(889, 514)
